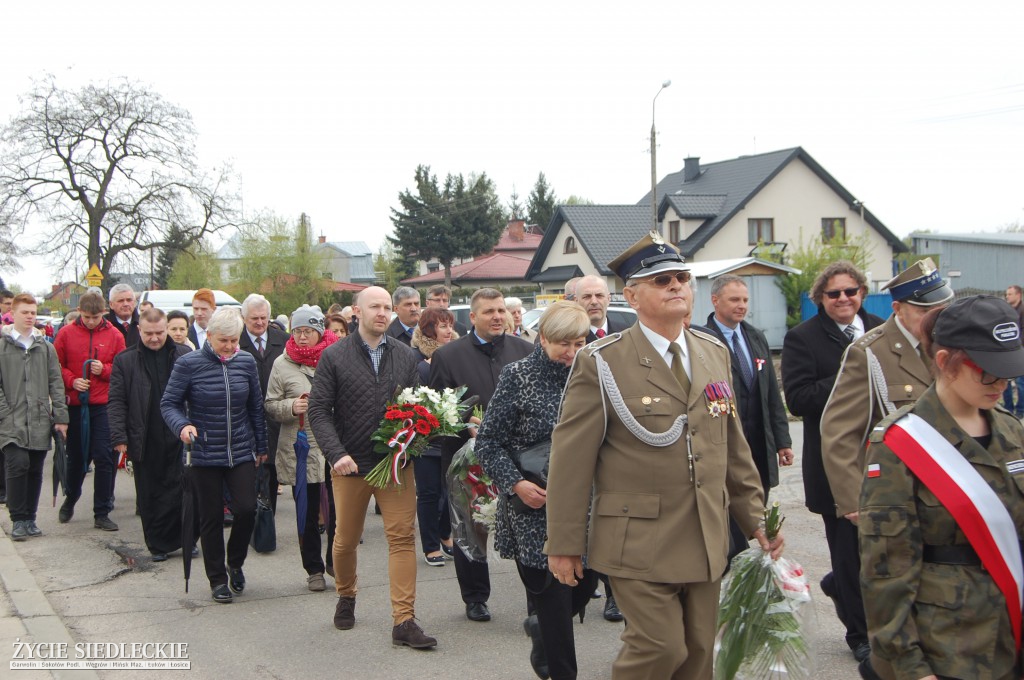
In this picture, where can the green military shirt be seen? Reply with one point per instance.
(926, 618)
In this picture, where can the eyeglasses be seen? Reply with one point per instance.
(834, 294)
(986, 378)
(304, 331)
(664, 280)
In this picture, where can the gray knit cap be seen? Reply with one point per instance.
(308, 317)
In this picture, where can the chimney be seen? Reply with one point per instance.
(517, 230)
(691, 168)
(322, 239)
(53, 288)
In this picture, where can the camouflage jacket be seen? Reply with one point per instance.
(926, 618)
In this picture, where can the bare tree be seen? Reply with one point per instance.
(111, 168)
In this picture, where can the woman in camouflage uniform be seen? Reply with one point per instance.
(934, 608)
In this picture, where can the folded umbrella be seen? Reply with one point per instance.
(188, 516)
(301, 461)
(60, 465)
(83, 399)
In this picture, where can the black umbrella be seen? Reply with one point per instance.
(83, 399)
(60, 465)
(188, 517)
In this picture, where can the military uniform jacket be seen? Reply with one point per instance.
(928, 618)
(650, 521)
(855, 406)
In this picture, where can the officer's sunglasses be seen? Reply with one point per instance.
(664, 280)
(834, 294)
(986, 378)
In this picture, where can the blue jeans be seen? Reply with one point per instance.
(100, 453)
(431, 503)
(1018, 408)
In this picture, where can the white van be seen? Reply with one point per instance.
(181, 300)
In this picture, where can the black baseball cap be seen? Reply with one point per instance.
(988, 329)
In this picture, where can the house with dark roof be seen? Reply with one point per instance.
(751, 206)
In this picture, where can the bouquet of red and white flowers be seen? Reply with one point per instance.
(415, 417)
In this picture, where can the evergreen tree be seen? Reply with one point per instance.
(460, 219)
(177, 243)
(541, 203)
(516, 210)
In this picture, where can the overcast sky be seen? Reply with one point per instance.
(326, 108)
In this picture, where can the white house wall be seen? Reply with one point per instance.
(796, 199)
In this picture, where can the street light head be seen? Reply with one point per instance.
(666, 83)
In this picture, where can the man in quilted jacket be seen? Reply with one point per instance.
(354, 381)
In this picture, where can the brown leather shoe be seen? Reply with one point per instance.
(345, 613)
(409, 633)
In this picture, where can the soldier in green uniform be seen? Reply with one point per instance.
(942, 510)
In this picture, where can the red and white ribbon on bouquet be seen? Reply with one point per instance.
(403, 440)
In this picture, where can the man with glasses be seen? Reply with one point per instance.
(881, 372)
(648, 425)
(440, 296)
(811, 355)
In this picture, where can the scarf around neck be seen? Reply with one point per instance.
(309, 356)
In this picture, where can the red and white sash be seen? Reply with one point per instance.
(978, 511)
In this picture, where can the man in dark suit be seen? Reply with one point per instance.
(122, 315)
(441, 296)
(592, 294)
(204, 304)
(762, 413)
(811, 355)
(265, 343)
(475, 360)
(407, 307)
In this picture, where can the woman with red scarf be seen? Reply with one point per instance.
(287, 402)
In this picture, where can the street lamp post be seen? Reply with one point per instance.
(654, 163)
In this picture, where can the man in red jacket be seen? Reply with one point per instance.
(86, 350)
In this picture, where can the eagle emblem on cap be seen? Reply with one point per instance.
(656, 238)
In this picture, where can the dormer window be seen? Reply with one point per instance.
(570, 246)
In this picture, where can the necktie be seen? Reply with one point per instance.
(741, 359)
(600, 333)
(849, 332)
(677, 366)
(259, 345)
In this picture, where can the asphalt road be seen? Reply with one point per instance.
(93, 586)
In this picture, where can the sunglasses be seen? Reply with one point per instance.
(664, 280)
(986, 378)
(834, 294)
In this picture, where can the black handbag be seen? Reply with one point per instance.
(264, 534)
(533, 465)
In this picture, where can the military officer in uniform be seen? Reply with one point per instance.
(942, 509)
(648, 423)
(881, 372)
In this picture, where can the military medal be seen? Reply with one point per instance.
(730, 403)
(714, 408)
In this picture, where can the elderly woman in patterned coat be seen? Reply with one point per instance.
(521, 414)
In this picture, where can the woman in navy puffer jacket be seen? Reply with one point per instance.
(214, 397)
